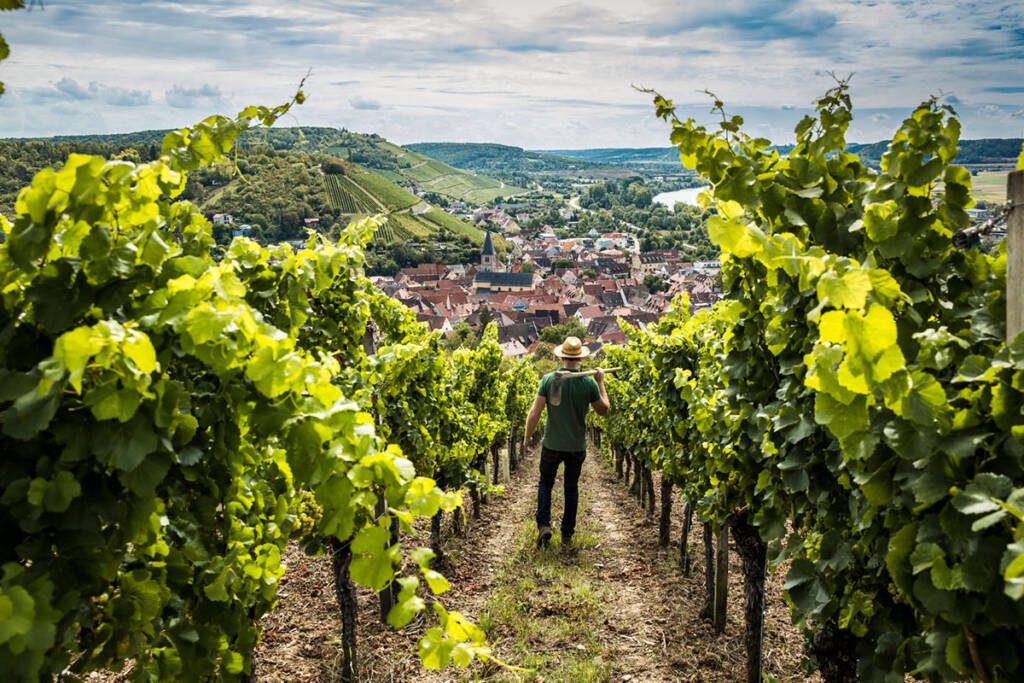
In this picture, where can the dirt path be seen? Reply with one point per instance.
(615, 608)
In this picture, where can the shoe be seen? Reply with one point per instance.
(567, 541)
(544, 536)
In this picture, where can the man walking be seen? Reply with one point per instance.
(565, 435)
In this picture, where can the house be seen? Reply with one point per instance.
(542, 319)
(487, 281)
(602, 325)
(514, 349)
(570, 308)
(613, 337)
(436, 322)
(588, 313)
(527, 331)
(612, 239)
(612, 299)
(223, 219)
(640, 319)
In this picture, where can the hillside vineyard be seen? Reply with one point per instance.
(175, 414)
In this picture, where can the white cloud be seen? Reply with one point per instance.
(560, 74)
(181, 97)
(361, 103)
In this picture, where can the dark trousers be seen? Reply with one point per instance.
(549, 462)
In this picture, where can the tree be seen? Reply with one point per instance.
(333, 167)
(543, 359)
(461, 337)
(556, 334)
(486, 317)
(655, 284)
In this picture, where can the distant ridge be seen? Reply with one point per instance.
(497, 159)
(290, 182)
(980, 151)
(619, 155)
(371, 151)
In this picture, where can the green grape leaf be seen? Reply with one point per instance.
(408, 604)
(422, 557)
(373, 558)
(17, 612)
(735, 236)
(849, 290)
(62, 489)
(983, 494)
(435, 648)
(423, 498)
(437, 582)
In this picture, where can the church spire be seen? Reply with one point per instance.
(488, 259)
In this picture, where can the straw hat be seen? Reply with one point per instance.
(572, 347)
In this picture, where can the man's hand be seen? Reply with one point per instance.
(599, 376)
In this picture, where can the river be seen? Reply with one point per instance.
(686, 196)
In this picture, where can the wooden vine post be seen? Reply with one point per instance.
(709, 572)
(1015, 255)
(721, 578)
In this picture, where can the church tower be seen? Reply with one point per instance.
(488, 259)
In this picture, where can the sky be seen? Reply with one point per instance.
(538, 74)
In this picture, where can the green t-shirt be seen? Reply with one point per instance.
(566, 428)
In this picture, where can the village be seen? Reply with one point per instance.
(546, 280)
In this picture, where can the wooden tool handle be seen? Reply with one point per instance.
(585, 373)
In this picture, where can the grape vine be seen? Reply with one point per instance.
(853, 399)
(170, 420)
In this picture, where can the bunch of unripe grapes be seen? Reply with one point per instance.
(307, 513)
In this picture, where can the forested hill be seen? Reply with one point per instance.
(505, 160)
(369, 150)
(619, 155)
(277, 193)
(974, 152)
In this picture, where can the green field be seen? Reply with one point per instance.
(350, 194)
(436, 176)
(430, 175)
(412, 226)
(453, 224)
(393, 197)
(345, 196)
(989, 186)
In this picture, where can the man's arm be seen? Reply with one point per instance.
(601, 405)
(532, 418)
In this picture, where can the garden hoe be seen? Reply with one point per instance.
(562, 375)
